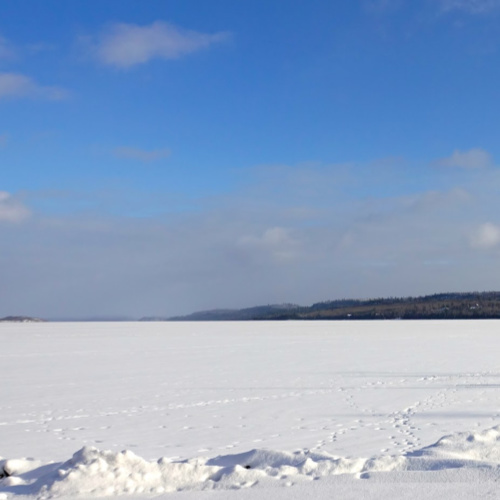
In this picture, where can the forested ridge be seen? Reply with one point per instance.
(472, 305)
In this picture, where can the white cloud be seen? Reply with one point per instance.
(11, 210)
(486, 236)
(126, 45)
(430, 201)
(471, 6)
(472, 159)
(275, 241)
(141, 154)
(18, 85)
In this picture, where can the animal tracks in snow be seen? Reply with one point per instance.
(353, 389)
(382, 413)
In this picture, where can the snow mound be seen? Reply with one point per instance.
(303, 463)
(92, 472)
(96, 473)
(469, 446)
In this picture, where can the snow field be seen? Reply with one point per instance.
(326, 401)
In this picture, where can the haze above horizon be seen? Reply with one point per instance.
(159, 158)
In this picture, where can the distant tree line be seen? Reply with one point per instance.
(471, 305)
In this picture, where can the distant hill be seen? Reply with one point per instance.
(473, 305)
(21, 319)
(249, 313)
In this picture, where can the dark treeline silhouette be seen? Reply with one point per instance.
(471, 305)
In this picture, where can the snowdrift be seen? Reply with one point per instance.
(95, 473)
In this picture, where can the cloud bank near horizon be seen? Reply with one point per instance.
(279, 239)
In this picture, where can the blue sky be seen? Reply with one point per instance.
(168, 156)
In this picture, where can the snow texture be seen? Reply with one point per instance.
(343, 407)
(92, 472)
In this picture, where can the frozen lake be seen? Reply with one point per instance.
(185, 391)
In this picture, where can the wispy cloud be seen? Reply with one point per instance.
(9, 50)
(470, 6)
(14, 85)
(126, 45)
(471, 159)
(274, 242)
(138, 154)
(486, 236)
(11, 210)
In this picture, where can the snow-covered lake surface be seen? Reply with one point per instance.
(251, 410)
